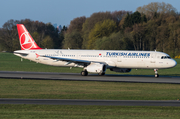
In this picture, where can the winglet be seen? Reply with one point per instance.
(25, 39)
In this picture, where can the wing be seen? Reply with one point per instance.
(68, 59)
(77, 61)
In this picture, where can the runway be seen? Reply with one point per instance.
(91, 102)
(91, 77)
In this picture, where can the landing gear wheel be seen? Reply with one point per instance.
(156, 75)
(101, 74)
(84, 73)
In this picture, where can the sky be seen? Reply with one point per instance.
(61, 12)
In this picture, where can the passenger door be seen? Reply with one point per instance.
(153, 58)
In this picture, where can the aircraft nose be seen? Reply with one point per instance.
(173, 63)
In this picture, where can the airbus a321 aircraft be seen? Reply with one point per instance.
(94, 61)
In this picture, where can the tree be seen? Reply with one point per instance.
(162, 38)
(47, 42)
(138, 36)
(174, 37)
(143, 19)
(127, 21)
(118, 15)
(9, 36)
(151, 32)
(100, 30)
(76, 24)
(61, 36)
(156, 7)
(90, 23)
(136, 17)
(73, 40)
(132, 19)
(116, 41)
(74, 31)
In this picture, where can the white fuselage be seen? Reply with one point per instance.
(112, 58)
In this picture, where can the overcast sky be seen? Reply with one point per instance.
(62, 12)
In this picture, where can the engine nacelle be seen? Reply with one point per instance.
(120, 70)
(96, 68)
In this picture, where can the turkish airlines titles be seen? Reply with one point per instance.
(127, 54)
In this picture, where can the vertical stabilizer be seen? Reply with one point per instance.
(25, 39)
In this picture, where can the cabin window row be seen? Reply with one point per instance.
(60, 55)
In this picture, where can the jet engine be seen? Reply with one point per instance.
(123, 70)
(96, 68)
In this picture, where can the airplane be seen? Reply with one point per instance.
(94, 61)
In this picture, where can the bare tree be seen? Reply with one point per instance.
(76, 24)
(156, 7)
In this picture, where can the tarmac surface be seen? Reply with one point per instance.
(91, 102)
(91, 77)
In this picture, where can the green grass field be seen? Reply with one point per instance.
(10, 62)
(56, 89)
(87, 112)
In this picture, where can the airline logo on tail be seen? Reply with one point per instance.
(26, 41)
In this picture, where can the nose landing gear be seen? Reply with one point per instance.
(156, 73)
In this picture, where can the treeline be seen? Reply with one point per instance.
(155, 26)
(45, 35)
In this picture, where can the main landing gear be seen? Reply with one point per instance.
(84, 73)
(156, 73)
(101, 74)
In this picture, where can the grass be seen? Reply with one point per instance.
(56, 89)
(10, 62)
(86, 112)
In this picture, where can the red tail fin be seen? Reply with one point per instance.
(25, 39)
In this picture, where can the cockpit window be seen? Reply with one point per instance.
(165, 57)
